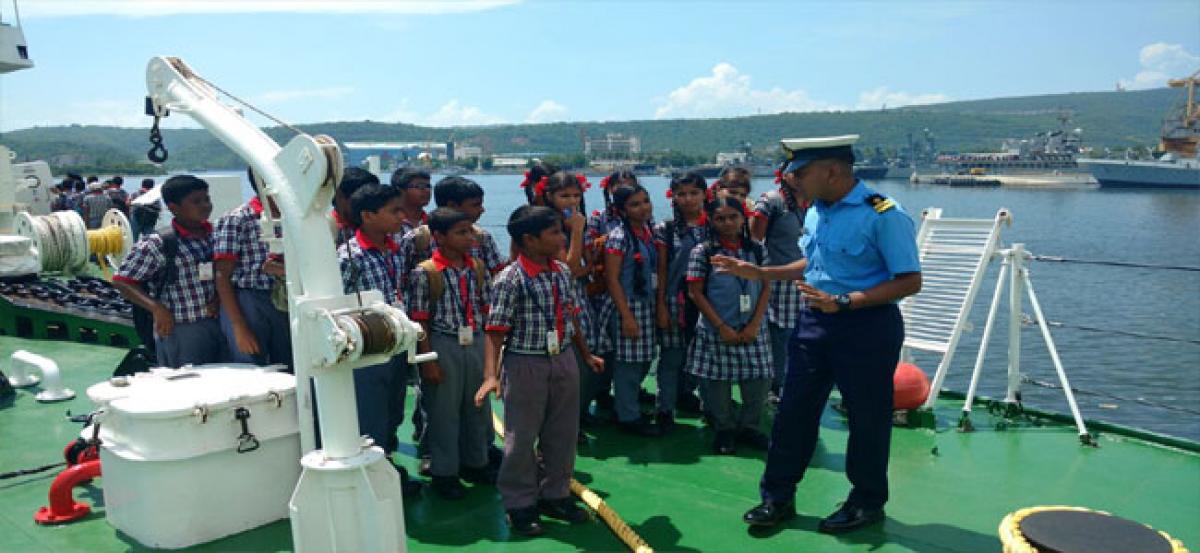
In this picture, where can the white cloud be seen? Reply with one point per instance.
(548, 111)
(883, 96)
(1161, 61)
(156, 8)
(451, 114)
(727, 92)
(277, 96)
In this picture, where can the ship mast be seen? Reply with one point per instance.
(1184, 141)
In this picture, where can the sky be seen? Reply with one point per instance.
(499, 61)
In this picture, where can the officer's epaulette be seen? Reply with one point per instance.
(880, 202)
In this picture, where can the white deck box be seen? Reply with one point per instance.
(178, 468)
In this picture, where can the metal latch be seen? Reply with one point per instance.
(246, 442)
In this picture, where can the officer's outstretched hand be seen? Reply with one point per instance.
(736, 267)
(817, 299)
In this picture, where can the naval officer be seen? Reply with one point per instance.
(860, 259)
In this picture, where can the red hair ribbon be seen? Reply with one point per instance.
(604, 182)
(703, 220)
(540, 188)
(525, 182)
(778, 176)
(637, 257)
(584, 185)
(747, 209)
(670, 194)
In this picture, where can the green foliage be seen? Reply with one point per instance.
(1116, 120)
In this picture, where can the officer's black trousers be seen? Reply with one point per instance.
(858, 351)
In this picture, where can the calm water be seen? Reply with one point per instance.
(1154, 227)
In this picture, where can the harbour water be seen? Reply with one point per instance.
(1117, 376)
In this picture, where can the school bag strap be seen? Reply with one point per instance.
(437, 283)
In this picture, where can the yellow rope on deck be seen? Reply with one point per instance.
(610, 517)
(105, 242)
(1014, 541)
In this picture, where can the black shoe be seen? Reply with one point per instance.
(646, 398)
(770, 513)
(753, 438)
(588, 420)
(688, 403)
(773, 397)
(525, 522)
(581, 438)
(604, 401)
(448, 487)
(409, 488)
(484, 475)
(641, 427)
(665, 421)
(849, 518)
(564, 509)
(423, 467)
(723, 444)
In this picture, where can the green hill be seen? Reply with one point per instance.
(1108, 119)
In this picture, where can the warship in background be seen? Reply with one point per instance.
(1176, 166)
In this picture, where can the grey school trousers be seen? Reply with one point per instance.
(458, 433)
(193, 343)
(270, 327)
(718, 402)
(541, 407)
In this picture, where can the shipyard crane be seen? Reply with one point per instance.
(1191, 113)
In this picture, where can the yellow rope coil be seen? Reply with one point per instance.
(610, 517)
(104, 242)
(1014, 541)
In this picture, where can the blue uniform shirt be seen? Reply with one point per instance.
(851, 247)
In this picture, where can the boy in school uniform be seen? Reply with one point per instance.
(535, 313)
(340, 219)
(180, 295)
(414, 185)
(255, 330)
(449, 297)
(369, 261)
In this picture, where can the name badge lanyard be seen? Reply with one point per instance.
(464, 291)
(557, 318)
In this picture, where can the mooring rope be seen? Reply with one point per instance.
(627, 535)
(1080, 391)
(1060, 259)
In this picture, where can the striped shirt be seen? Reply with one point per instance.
(447, 313)
(530, 300)
(237, 239)
(187, 296)
(367, 266)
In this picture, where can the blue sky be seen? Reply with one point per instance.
(452, 63)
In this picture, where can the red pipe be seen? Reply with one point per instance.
(63, 507)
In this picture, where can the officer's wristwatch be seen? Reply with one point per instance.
(842, 301)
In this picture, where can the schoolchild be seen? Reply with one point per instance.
(449, 297)
(170, 275)
(677, 323)
(534, 315)
(633, 266)
(731, 344)
(370, 261)
(340, 217)
(414, 185)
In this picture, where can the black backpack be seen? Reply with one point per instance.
(143, 320)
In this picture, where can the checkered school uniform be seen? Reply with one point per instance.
(708, 356)
(642, 348)
(407, 226)
(786, 299)
(449, 312)
(378, 267)
(237, 239)
(187, 296)
(600, 338)
(528, 293)
(677, 246)
(485, 249)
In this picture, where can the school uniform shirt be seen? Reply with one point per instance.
(377, 267)
(784, 228)
(485, 249)
(237, 239)
(187, 296)
(530, 300)
(96, 204)
(407, 226)
(463, 303)
(708, 356)
(679, 251)
(641, 246)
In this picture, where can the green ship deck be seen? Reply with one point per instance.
(949, 489)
